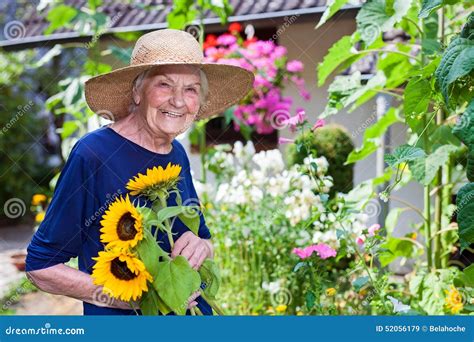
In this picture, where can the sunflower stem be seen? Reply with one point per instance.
(167, 223)
(213, 305)
(133, 307)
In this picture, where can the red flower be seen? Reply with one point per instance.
(251, 40)
(235, 28)
(211, 40)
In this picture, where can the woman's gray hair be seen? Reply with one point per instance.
(138, 83)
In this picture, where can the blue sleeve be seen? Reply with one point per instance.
(59, 237)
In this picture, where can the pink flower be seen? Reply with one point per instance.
(373, 229)
(323, 251)
(293, 121)
(360, 240)
(282, 141)
(303, 253)
(226, 39)
(294, 66)
(319, 123)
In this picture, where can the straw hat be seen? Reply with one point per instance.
(110, 94)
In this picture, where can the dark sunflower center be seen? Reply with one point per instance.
(120, 270)
(126, 227)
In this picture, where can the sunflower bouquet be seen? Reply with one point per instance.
(133, 267)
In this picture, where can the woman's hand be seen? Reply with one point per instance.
(193, 248)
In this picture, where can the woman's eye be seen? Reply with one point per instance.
(193, 90)
(163, 84)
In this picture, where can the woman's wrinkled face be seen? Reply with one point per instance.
(170, 98)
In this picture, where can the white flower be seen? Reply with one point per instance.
(272, 287)
(399, 306)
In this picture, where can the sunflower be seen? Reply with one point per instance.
(157, 180)
(453, 300)
(121, 224)
(122, 274)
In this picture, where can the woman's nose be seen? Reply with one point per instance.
(176, 98)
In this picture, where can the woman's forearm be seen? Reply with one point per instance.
(67, 281)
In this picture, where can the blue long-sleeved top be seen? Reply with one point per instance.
(96, 172)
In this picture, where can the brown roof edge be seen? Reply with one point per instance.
(67, 37)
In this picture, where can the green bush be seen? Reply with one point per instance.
(22, 173)
(334, 143)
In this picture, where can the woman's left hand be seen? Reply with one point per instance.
(193, 248)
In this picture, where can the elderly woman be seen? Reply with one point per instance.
(166, 87)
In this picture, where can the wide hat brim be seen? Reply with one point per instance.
(110, 95)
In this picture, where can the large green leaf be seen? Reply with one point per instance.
(416, 98)
(424, 169)
(464, 130)
(149, 252)
(211, 278)
(371, 136)
(376, 17)
(337, 54)
(392, 219)
(457, 61)
(176, 282)
(403, 154)
(465, 217)
(332, 6)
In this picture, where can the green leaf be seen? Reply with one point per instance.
(176, 282)
(464, 130)
(359, 283)
(416, 97)
(122, 54)
(428, 6)
(372, 134)
(69, 127)
(394, 248)
(465, 211)
(404, 153)
(59, 16)
(211, 278)
(373, 18)
(151, 303)
(149, 252)
(332, 6)
(338, 53)
(469, 275)
(457, 61)
(310, 300)
(191, 219)
(169, 212)
(424, 169)
(55, 51)
(345, 90)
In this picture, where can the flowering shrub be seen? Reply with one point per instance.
(265, 107)
(255, 246)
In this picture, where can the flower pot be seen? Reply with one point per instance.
(19, 260)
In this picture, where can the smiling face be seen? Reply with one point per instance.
(169, 99)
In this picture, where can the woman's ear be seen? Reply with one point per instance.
(136, 98)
